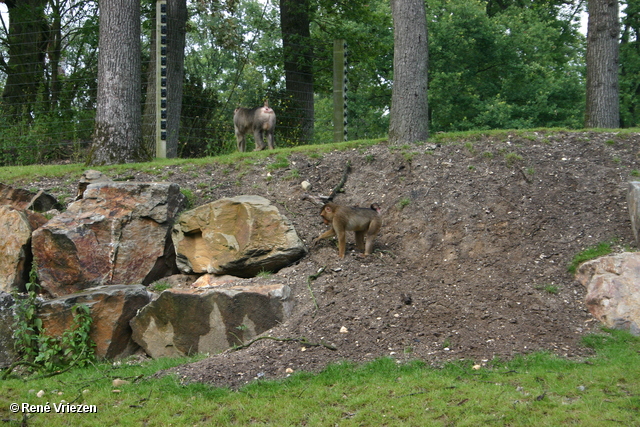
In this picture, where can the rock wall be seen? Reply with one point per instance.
(116, 238)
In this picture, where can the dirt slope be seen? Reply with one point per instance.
(475, 234)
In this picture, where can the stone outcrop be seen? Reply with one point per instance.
(240, 236)
(16, 227)
(613, 290)
(118, 233)
(7, 351)
(187, 321)
(112, 307)
(90, 177)
(22, 199)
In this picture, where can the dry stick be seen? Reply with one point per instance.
(338, 187)
(322, 200)
(300, 340)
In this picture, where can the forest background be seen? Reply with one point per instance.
(493, 64)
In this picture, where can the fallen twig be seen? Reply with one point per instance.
(302, 341)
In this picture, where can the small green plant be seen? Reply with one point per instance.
(26, 322)
(408, 156)
(590, 253)
(635, 173)
(404, 202)
(264, 274)
(293, 174)
(610, 142)
(41, 351)
(512, 158)
(188, 194)
(280, 162)
(470, 148)
(549, 288)
(160, 286)
(74, 348)
(487, 154)
(369, 158)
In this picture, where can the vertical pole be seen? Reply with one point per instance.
(161, 79)
(339, 90)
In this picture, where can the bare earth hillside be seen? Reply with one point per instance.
(477, 236)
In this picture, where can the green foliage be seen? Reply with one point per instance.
(160, 286)
(630, 65)
(293, 174)
(403, 203)
(189, 197)
(549, 288)
(43, 352)
(265, 274)
(280, 162)
(590, 253)
(26, 322)
(514, 69)
(512, 158)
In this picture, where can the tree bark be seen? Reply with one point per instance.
(603, 31)
(409, 107)
(118, 131)
(298, 60)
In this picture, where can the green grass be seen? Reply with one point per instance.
(534, 390)
(10, 174)
(592, 252)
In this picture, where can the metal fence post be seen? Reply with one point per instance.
(339, 90)
(161, 79)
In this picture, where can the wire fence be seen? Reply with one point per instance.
(48, 72)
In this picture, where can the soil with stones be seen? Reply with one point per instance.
(471, 262)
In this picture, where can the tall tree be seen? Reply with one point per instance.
(295, 21)
(118, 132)
(409, 110)
(28, 39)
(603, 33)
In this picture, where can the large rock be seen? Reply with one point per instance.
(8, 353)
(117, 234)
(23, 199)
(188, 321)
(240, 236)
(633, 201)
(16, 227)
(613, 290)
(112, 307)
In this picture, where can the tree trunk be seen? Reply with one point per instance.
(176, 38)
(603, 30)
(298, 60)
(118, 132)
(28, 37)
(409, 107)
